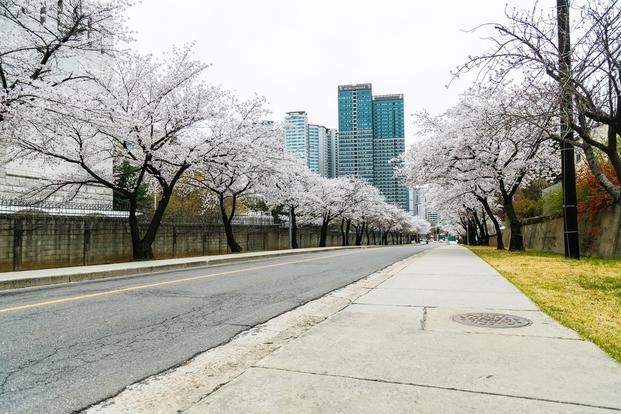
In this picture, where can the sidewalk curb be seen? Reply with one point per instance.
(180, 387)
(28, 282)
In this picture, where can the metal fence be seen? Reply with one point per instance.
(71, 209)
(66, 209)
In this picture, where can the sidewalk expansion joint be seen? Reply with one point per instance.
(423, 321)
(394, 305)
(508, 334)
(439, 387)
(215, 389)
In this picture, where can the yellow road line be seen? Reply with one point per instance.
(168, 282)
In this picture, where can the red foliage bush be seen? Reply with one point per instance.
(592, 197)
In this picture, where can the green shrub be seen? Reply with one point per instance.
(553, 202)
(527, 207)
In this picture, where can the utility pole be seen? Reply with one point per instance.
(568, 162)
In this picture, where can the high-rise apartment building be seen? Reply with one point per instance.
(371, 134)
(389, 143)
(315, 144)
(331, 153)
(316, 134)
(296, 134)
(321, 150)
(355, 142)
(419, 205)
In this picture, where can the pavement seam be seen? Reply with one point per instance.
(395, 306)
(506, 334)
(215, 389)
(452, 290)
(423, 321)
(437, 306)
(439, 387)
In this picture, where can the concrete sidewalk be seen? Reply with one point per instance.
(397, 349)
(42, 277)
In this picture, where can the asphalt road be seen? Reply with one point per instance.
(65, 347)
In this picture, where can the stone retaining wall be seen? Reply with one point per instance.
(602, 238)
(45, 241)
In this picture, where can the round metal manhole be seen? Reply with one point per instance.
(491, 320)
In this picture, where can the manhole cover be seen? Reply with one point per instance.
(491, 320)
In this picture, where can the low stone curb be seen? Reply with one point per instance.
(151, 267)
(180, 388)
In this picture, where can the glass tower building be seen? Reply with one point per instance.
(371, 133)
(389, 143)
(355, 143)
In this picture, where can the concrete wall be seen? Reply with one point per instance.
(602, 238)
(37, 242)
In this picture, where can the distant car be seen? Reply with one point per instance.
(452, 241)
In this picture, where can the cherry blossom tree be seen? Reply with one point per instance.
(246, 158)
(326, 203)
(365, 202)
(47, 43)
(474, 148)
(290, 189)
(143, 112)
(356, 195)
(526, 45)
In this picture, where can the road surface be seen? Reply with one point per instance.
(65, 347)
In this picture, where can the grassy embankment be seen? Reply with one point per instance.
(583, 295)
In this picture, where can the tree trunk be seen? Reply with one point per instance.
(343, 241)
(516, 243)
(484, 232)
(347, 228)
(142, 247)
(228, 228)
(359, 233)
(500, 244)
(478, 227)
(294, 230)
(140, 251)
(323, 234)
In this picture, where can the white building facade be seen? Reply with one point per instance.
(19, 177)
(296, 134)
(419, 205)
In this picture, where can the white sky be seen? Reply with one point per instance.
(295, 53)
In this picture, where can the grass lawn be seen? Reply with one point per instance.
(583, 295)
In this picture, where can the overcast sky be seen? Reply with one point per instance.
(295, 53)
